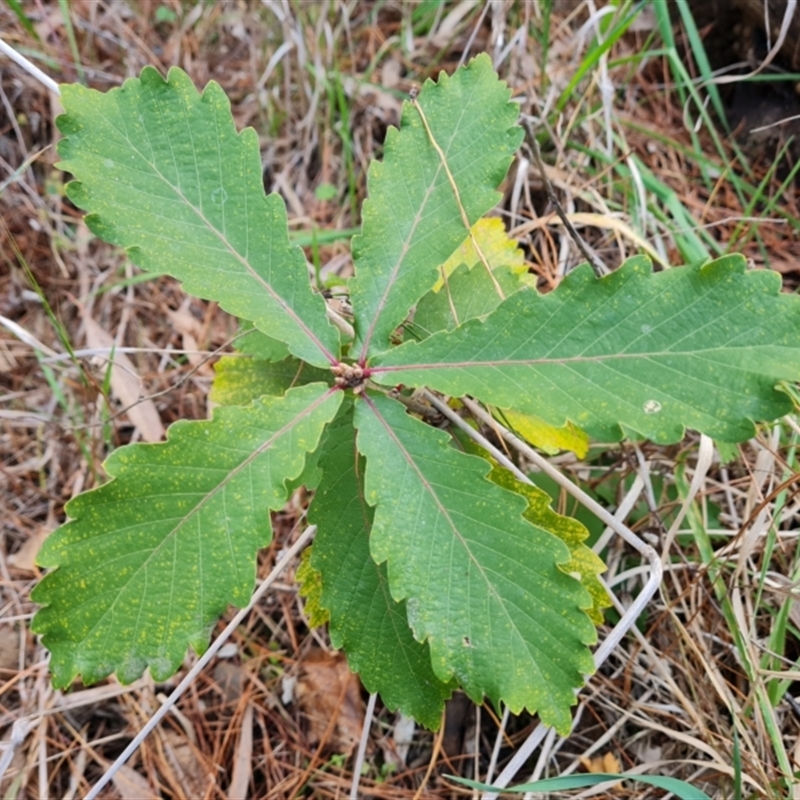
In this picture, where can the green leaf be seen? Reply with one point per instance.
(152, 558)
(412, 220)
(681, 789)
(365, 621)
(468, 294)
(238, 379)
(165, 14)
(692, 347)
(163, 173)
(483, 586)
(583, 564)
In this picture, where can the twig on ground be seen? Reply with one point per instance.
(599, 268)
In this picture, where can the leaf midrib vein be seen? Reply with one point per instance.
(502, 362)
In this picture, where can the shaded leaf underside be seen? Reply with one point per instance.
(257, 344)
(481, 584)
(468, 294)
(163, 173)
(701, 348)
(152, 558)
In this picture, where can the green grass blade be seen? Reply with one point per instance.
(701, 58)
(681, 789)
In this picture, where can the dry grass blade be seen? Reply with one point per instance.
(243, 762)
(125, 385)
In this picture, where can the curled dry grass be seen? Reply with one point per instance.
(701, 690)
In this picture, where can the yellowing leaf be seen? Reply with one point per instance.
(583, 563)
(547, 437)
(499, 249)
(239, 380)
(310, 581)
